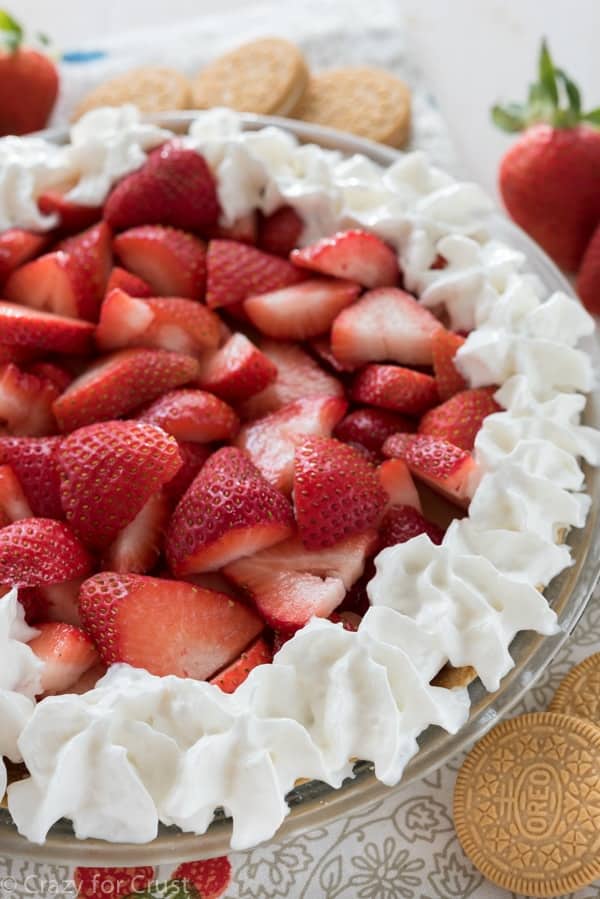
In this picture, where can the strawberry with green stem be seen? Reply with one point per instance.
(29, 81)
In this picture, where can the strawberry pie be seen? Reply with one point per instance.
(284, 434)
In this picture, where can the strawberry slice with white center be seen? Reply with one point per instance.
(174, 187)
(236, 271)
(460, 418)
(371, 427)
(336, 492)
(137, 548)
(259, 653)
(171, 261)
(34, 461)
(18, 246)
(194, 455)
(396, 480)
(168, 323)
(280, 232)
(72, 216)
(237, 371)
(290, 584)
(91, 256)
(13, 502)
(26, 403)
(166, 627)
(228, 512)
(22, 326)
(60, 602)
(271, 441)
(393, 387)
(67, 653)
(356, 255)
(402, 523)
(108, 472)
(446, 468)
(298, 375)
(131, 284)
(385, 325)
(445, 345)
(302, 311)
(36, 551)
(118, 383)
(192, 415)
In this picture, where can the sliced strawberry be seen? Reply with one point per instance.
(137, 547)
(237, 371)
(121, 382)
(194, 455)
(259, 653)
(446, 468)
(91, 257)
(19, 355)
(297, 376)
(23, 326)
(168, 323)
(108, 472)
(336, 492)
(402, 523)
(37, 551)
(172, 262)
(371, 427)
(34, 461)
(392, 387)
(131, 284)
(166, 627)
(192, 415)
(302, 311)
(26, 403)
(244, 229)
(322, 349)
(174, 187)
(228, 512)
(88, 679)
(49, 282)
(112, 883)
(13, 502)
(48, 371)
(271, 441)
(459, 419)
(72, 216)
(396, 480)
(31, 600)
(61, 601)
(445, 345)
(385, 325)
(213, 580)
(356, 255)
(356, 600)
(17, 247)
(236, 271)
(66, 651)
(209, 877)
(290, 585)
(280, 232)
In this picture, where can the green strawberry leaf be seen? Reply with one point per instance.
(547, 74)
(510, 117)
(168, 889)
(11, 32)
(593, 117)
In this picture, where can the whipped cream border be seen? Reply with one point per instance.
(332, 695)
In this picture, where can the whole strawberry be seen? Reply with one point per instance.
(29, 82)
(550, 178)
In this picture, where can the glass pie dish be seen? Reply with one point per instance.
(313, 803)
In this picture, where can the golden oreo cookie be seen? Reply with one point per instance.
(267, 76)
(579, 692)
(368, 102)
(151, 88)
(527, 804)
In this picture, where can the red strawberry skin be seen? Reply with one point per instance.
(280, 231)
(445, 345)
(550, 183)
(336, 492)
(446, 468)
(20, 326)
(194, 455)
(228, 512)
(237, 271)
(210, 877)
(402, 523)
(371, 427)
(34, 461)
(17, 247)
(119, 383)
(356, 255)
(393, 387)
(29, 89)
(459, 419)
(588, 279)
(108, 471)
(112, 883)
(193, 415)
(166, 627)
(131, 284)
(36, 551)
(72, 217)
(171, 261)
(174, 187)
(91, 258)
(236, 673)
